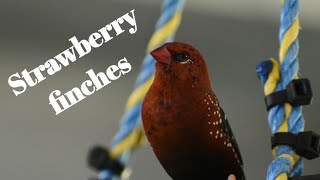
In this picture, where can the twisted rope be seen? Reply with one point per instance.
(275, 77)
(131, 134)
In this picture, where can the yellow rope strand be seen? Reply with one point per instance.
(138, 94)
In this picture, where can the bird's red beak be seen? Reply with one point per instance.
(161, 54)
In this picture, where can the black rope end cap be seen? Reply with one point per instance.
(298, 93)
(306, 144)
(99, 159)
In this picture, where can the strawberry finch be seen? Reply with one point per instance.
(183, 120)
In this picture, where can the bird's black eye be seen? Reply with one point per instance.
(184, 56)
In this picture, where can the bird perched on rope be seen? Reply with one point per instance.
(183, 121)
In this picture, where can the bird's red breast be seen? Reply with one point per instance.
(183, 121)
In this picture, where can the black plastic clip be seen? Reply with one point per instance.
(309, 177)
(306, 144)
(297, 93)
(99, 159)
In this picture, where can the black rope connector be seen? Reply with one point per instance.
(99, 159)
(306, 144)
(297, 93)
(309, 177)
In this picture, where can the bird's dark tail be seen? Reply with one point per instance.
(243, 177)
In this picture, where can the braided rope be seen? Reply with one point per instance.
(275, 77)
(131, 134)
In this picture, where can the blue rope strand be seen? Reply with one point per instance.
(128, 124)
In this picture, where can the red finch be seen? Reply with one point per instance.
(183, 121)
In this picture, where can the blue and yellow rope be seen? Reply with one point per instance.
(131, 133)
(275, 77)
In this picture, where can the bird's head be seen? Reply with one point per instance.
(177, 61)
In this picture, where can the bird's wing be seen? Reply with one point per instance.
(228, 131)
